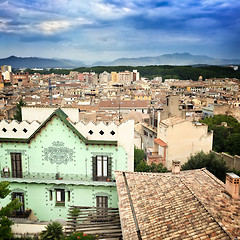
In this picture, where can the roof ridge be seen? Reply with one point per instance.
(219, 223)
(213, 177)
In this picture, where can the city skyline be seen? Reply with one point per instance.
(104, 30)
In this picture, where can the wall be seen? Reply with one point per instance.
(41, 114)
(231, 161)
(57, 149)
(184, 139)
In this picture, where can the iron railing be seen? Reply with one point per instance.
(47, 176)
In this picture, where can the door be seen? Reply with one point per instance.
(16, 159)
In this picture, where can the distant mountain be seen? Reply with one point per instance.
(166, 59)
(35, 62)
(169, 59)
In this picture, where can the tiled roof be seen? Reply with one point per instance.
(189, 205)
(173, 120)
(124, 104)
(160, 142)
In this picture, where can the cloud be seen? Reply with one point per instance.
(120, 25)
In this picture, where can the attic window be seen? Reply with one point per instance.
(101, 132)
(112, 132)
(4, 129)
(90, 132)
(25, 130)
(14, 130)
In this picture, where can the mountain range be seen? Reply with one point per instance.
(166, 59)
(170, 59)
(35, 62)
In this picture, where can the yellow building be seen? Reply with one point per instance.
(114, 77)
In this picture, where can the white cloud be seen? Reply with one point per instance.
(51, 27)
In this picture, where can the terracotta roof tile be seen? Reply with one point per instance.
(189, 205)
(160, 142)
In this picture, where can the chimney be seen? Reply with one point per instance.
(176, 166)
(232, 185)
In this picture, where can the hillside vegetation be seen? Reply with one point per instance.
(165, 71)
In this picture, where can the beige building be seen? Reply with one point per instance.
(114, 77)
(178, 139)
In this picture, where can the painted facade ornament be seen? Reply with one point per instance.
(58, 153)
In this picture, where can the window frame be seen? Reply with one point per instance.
(21, 200)
(16, 164)
(102, 168)
(62, 200)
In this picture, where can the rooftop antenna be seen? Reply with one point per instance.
(50, 92)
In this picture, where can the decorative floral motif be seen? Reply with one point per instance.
(58, 153)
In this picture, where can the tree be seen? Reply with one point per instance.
(139, 155)
(233, 144)
(5, 212)
(210, 162)
(18, 114)
(153, 167)
(225, 139)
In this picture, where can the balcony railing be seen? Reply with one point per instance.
(47, 176)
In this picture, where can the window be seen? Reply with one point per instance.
(102, 205)
(102, 201)
(16, 160)
(69, 195)
(60, 197)
(50, 195)
(20, 197)
(101, 168)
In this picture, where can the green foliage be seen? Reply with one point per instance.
(18, 114)
(5, 223)
(236, 172)
(225, 139)
(24, 238)
(81, 236)
(233, 144)
(144, 167)
(210, 162)
(165, 71)
(139, 155)
(4, 190)
(74, 212)
(54, 231)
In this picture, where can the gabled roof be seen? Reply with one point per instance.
(63, 117)
(189, 205)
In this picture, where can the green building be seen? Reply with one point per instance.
(51, 165)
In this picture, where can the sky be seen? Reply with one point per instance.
(105, 30)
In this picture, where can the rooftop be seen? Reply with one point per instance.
(173, 120)
(189, 205)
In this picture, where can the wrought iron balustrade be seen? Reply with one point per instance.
(47, 176)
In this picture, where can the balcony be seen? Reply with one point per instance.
(54, 178)
(47, 176)
(21, 214)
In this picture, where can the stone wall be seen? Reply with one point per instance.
(231, 161)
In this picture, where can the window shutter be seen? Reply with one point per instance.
(13, 195)
(109, 167)
(94, 168)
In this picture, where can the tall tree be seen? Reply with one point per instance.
(5, 212)
(210, 162)
(139, 155)
(18, 114)
(225, 138)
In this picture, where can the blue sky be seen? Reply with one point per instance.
(94, 30)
